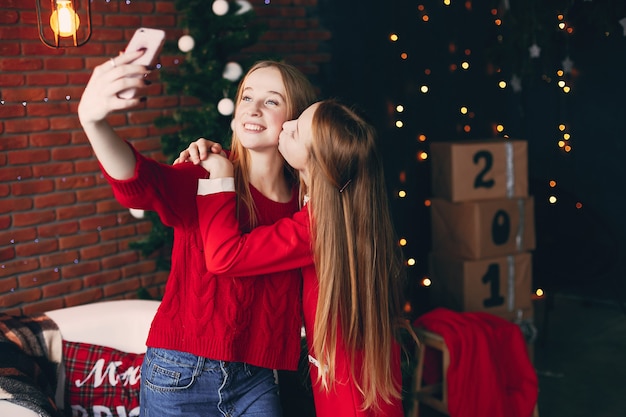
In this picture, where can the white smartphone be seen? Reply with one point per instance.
(152, 41)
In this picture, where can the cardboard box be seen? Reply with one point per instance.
(484, 228)
(500, 286)
(479, 169)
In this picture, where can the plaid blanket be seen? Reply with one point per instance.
(31, 351)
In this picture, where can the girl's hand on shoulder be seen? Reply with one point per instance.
(218, 166)
(199, 151)
(108, 79)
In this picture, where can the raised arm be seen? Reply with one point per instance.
(100, 99)
(282, 246)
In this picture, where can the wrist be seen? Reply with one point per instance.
(88, 124)
(216, 185)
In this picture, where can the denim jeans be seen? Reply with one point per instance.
(179, 384)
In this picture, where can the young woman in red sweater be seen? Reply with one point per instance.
(215, 341)
(344, 242)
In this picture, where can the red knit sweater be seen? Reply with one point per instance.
(230, 251)
(236, 319)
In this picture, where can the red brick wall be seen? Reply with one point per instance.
(64, 240)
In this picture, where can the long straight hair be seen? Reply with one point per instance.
(357, 257)
(300, 93)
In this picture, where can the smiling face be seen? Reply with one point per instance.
(295, 141)
(261, 110)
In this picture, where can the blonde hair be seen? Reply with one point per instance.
(358, 261)
(300, 93)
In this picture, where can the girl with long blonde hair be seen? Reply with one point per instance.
(344, 242)
(215, 341)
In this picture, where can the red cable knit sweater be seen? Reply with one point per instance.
(289, 239)
(237, 319)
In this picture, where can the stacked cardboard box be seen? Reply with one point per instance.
(482, 227)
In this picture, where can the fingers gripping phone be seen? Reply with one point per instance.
(152, 41)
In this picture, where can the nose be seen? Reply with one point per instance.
(254, 109)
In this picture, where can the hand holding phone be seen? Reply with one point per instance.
(151, 40)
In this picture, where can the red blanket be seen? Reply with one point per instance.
(490, 373)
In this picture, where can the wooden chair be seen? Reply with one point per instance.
(434, 395)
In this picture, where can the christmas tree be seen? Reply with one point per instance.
(214, 33)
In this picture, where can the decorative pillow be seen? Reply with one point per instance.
(102, 381)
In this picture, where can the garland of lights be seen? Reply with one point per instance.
(532, 44)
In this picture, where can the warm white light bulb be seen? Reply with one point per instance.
(64, 21)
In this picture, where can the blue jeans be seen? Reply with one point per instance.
(179, 384)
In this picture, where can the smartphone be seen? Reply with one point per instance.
(152, 41)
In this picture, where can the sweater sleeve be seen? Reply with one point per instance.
(281, 246)
(168, 190)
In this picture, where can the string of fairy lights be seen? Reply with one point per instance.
(563, 77)
(509, 79)
(232, 71)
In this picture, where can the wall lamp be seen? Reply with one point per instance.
(64, 23)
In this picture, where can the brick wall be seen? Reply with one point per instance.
(64, 240)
